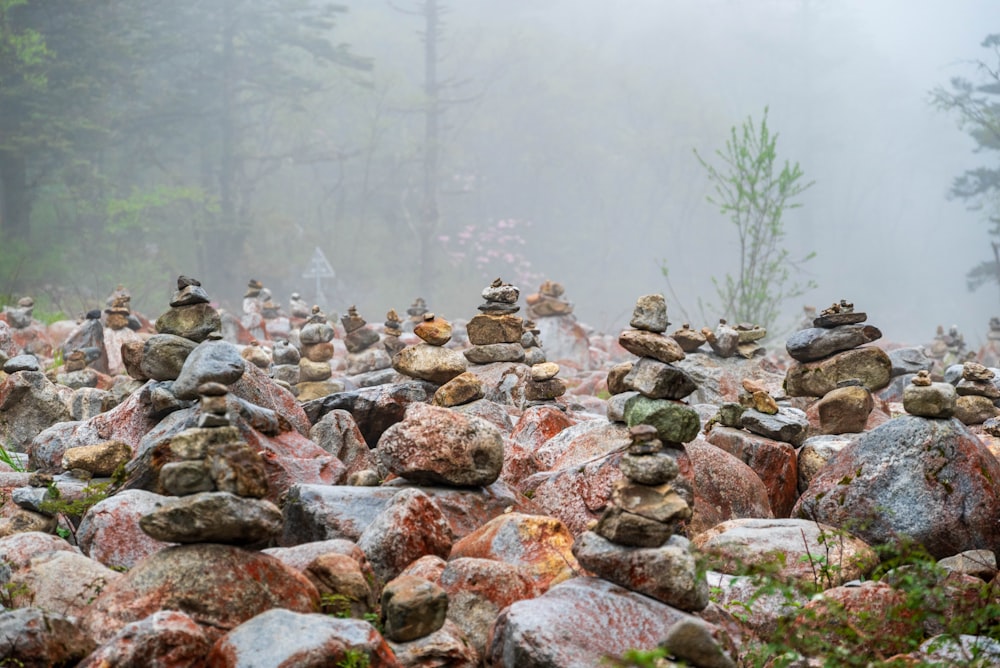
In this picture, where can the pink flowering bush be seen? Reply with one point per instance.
(495, 249)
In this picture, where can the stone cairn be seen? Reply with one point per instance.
(729, 340)
(393, 330)
(118, 320)
(28, 335)
(276, 324)
(495, 333)
(75, 372)
(634, 544)
(285, 363)
(218, 483)
(257, 355)
(832, 362)
(925, 398)
(89, 336)
(533, 353)
(548, 301)
(190, 315)
(298, 308)
(989, 353)
(316, 351)
(690, 340)
(651, 389)
(947, 349)
(415, 314)
(253, 307)
(363, 353)
(977, 394)
(429, 360)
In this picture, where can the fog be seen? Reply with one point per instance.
(578, 120)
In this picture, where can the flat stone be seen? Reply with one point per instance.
(809, 345)
(21, 363)
(544, 371)
(789, 425)
(544, 390)
(195, 322)
(213, 517)
(504, 294)
(832, 320)
(188, 295)
(101, 459)
(432, 363)
(495, 352)
(462, 389)
(651, 344)
(868, 364)
(655, 469)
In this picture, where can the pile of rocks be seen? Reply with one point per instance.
(542, 386)
(393, 330)
(833, 363)
(495, 333)
(28, 334)
(315, 352)
(548, 301)
(285, 364)
(415, 314)
(977, 394)
(256, 354)
(690, 340)
(634, 544)
(363, 355)
(88, 336)
(925, 398)
(430, 360)
(218, 483)
(533, 353)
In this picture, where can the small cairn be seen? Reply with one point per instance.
(977, 394)
(298, 307)
(253, 307)
(690, 340)
(742, 339)
(88, 335)
(925, 398)
(117, 331)
(393, 329)
(640, 525)
(257, 355)
(316, 351)
(219, 483)
(190, 316)
(29, 335)
(430, 360)
(831, 357)
(415, 313)
(363, 353)
(495, 333)
(542, 386)
(548, 301)
(276, 324)
(75, 373)
(533, 353)
(285, 363)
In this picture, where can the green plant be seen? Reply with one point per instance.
(11, 460)
(756, 192)
(354, 658)
(338, 605)
(72, 510)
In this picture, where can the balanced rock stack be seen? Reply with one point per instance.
(253, 307)
(75, 373)
(430, 360)
(28, 334)
(495, 333)
(316, 351)
(543, 386)
(977, 394)
(298, 307)
(190, 316)
(832, 362)
(363, 355)
(216, 483)
(925, 398)
(256, 354)
(548, 301)
(276, 324)
(393, 331)
(533, 353)
(415, 313)
(742, 339)
(285, 363)
(690, 340)
(634, 543)
(117, 332)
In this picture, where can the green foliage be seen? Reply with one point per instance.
(354, 658)
(756, 192)
(11, 460)
(976, 105)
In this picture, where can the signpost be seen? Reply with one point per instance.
(319, 268)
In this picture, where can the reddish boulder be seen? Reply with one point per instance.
(541, 546)
(724, 487)
(773, 461)
(109, 531)
(219, 586)
(165, 639)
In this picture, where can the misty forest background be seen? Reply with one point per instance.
(427, 147)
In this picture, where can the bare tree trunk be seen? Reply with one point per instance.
(15, 206)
